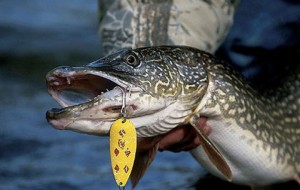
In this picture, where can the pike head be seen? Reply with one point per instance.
(159, 88)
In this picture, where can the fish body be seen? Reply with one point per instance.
(254, 137)
(258, 133)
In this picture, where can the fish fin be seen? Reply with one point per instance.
(212, 152)
(142, 162)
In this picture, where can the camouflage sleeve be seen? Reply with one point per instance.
(203, 24)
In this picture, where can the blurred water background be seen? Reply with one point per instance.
(35, 37)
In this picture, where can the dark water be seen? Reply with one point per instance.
(36, 36)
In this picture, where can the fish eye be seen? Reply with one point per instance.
(132, 60)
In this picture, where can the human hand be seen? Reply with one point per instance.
(181, 138)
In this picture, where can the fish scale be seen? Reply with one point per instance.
(272, 117)
(258, 113)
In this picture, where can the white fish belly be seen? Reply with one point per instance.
(251, 161)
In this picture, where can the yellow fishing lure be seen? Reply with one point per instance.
(123, 143)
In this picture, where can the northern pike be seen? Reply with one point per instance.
(254, 137)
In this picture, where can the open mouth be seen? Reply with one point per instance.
(79, 88)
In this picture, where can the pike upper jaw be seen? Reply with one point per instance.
(87, 96)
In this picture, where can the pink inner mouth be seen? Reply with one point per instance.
(76, 89)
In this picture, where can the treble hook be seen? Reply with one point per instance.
(123, 108)
(130, 90)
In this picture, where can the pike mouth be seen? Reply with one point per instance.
(79, 88)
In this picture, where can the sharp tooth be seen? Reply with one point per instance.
(56, 83)
(68, 81)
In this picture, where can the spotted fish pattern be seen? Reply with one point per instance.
(273, 116)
